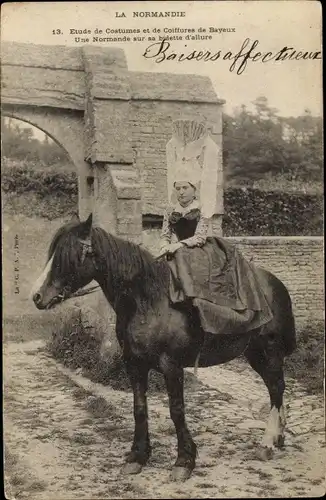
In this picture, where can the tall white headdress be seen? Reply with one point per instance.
(194, 157)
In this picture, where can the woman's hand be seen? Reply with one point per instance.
(171, 249)
(162, 251)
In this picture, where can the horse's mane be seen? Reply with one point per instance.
(66, 254)
(139, 274)
(58, 237)
(133, 270)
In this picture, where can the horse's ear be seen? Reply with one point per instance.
(86, 227)
(75, 217)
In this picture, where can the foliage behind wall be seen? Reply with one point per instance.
(51, 194)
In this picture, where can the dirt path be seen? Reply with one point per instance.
(65, 437)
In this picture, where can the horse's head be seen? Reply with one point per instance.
(70, 265)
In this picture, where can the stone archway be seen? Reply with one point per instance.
(113, 123)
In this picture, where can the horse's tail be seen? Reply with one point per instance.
(288, 331)
(284, 313)
(288, 324)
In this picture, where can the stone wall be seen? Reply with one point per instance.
(297, 261)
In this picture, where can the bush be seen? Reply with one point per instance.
(25, 178)
(32, 191)
(253, 212)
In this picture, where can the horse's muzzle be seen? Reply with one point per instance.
(37, 299)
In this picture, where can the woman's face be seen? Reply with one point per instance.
(185, 192)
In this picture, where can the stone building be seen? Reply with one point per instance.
(113, 123)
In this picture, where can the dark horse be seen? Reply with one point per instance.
(155, 335)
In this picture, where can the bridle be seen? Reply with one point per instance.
(87, 249)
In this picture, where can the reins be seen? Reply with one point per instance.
(66, 295)
(87, 248)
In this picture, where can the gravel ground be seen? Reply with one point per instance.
(65, 437)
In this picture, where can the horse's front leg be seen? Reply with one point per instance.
(141, 449)
(187, 449)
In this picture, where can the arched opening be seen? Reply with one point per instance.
(66, 128)
(39, 177)
(23, 140)
(39, 193)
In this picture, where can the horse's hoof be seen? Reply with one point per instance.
(180, 474)
(265, 453)
(132, 468)
(280, 441)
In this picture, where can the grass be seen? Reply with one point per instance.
(82, 438)
(289, 479)
(99, 407)
(206, 485)
(24, 328)
(306, 364)
(316, 482)
(264, 476)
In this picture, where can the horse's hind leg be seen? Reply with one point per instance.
(187, 450)
(141, 449)
(265, 355)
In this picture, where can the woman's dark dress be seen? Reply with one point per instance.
(223, 286)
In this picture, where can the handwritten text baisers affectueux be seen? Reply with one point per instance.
(162, 51)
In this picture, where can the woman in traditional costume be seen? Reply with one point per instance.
(207, 271)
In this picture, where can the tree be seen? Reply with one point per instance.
(260, 142)
(19, 143)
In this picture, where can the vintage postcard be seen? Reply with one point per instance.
(162, 230)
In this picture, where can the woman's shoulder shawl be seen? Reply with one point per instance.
(176, 207)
